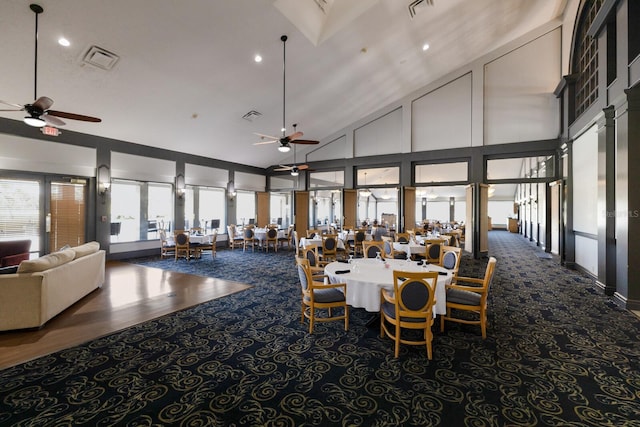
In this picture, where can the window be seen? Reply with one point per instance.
(203, 205)
(280, 208)
(585, 60)
(20, 211)
(245, 207)
(140, 209)
(442, 172)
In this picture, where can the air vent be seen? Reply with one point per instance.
(418, 6)
(253, 114)
(100, 58)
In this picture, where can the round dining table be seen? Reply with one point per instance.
(366, 276)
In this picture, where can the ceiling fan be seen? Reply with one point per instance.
(284, 140)
(294, 169)
(38, 111)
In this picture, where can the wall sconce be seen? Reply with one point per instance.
(231, 190)
(103, 175)
(180, 187)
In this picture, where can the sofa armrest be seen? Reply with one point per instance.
(20, 301)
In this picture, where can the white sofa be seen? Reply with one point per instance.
(43, 287)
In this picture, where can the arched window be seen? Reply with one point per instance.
(585, 57)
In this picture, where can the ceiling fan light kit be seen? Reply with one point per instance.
(38, 112)
(285, 140)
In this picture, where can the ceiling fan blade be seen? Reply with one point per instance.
(305, 141)
(295, 135)
(265, 142)
(13, 110)
(303, 167)
(284, 168)
(18, 106)
(43, 103)
(261, 135)
(52, 120)
(73, 116)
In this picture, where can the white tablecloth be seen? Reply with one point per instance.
(261, 234)
(363, 285)
(410, 248)
(197, 238)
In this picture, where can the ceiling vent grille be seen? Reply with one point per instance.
(100, 58)
(418, 6)
(253, 114)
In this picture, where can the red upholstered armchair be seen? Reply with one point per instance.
(13, 252)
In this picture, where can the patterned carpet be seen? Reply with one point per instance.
(558, 352)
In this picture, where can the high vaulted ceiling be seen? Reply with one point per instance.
(186, 75)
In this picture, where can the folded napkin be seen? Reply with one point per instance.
(342, 271)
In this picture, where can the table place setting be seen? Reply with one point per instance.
(366, 276)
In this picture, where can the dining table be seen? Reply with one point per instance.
(366, 276)
(260, 233)
(200, 238)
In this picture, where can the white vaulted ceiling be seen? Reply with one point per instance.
(185, 73)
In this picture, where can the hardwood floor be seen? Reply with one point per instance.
(131, 294)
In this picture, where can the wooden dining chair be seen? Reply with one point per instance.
(450, 257)
(181, 239)
(311, 254)
(470, 298)
(329, 247)
(209, 246)
(235, 241)
(316, 295)
(271, 239)
(403, 237)
(249, 239)
(167, 247)
(371, 248)
(433, 250)
(409, 306)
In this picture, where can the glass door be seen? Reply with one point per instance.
(66, 220)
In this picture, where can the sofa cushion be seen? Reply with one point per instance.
(47, 261)
(86, 249)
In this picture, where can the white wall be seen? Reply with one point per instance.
(442, 118)
(520, 104)
(585, 182)
(499, 211)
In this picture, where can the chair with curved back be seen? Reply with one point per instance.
(313, 232)
(359, 236)
(317, 295)
(403, 237)
(209, 245)
(470, 298)
(409, 306)
(287, 238)
(271, 239)
(181, 239)
(433, 250)
(167, 247)
(249, 239)
(450, 257)
(329, 247)
(311, 254)
(370, 248)
(235, 241)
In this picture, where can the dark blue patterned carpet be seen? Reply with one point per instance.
(558, 353)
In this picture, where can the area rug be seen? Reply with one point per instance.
(558, 352)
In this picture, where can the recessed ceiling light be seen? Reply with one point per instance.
(257, 58)
(64, 42)
(425, 47)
